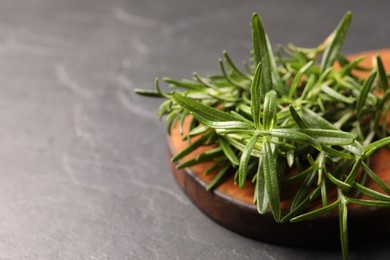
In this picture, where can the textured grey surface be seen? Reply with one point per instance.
(83, 164)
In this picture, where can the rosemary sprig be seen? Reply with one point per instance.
(291, 109)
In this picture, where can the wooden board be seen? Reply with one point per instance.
(233, 207)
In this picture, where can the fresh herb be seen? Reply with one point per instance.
(290, 109)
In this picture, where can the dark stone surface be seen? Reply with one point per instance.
(83, 167)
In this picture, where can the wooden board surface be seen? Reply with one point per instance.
(233, 207)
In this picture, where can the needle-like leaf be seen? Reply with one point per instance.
(375, 178)
(260, 51)
(298, 77)
(292, 135)
(316, 213)
(228, 151)
(372, 193)
(217, 178)
(271, 180)
(343, 216)
(364, 92)
(297, 118)
(334, 48)
(204, 111)
(269, 114)
(262, 199)
(369, 203)
(190, 148)
(337, 182)
(382, 73)
(242, 170)
(373, 147)
(256, 96)
(329, 137)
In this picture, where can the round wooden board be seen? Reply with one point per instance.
(233, 207)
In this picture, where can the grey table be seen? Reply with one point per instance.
(83, 163)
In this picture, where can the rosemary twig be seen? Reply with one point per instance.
(288, 110)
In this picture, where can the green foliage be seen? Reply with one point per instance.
(292, 108)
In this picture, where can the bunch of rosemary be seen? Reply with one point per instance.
(292, 109)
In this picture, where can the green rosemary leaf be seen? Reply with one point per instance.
(336, 95)
(260, 51)
(355, 148)
(269, 113)
(225, 131)
(298, 77)
(240, 117)
(337, 182)
(283, 114)
(283, 144)
(329, 137)
(239, 125)
(228, 151)
(299, 176)
(193, 125)
(292, 135)
(290, 158)
(315, 121)
(204, 111)
(200, 129)
(183, 116)
(381, 73)
(343, 223)
(204, 157)
(375, 178)
(309, 86)
(190, 148)
(324, 195)
(372, 147)
(157, 85)
(204, 82)
(303, 189)
(297, 118)
(271, 180)
(233, 66)
(337, 153)
(278, 84)
(364, 92)
(262, 199)
(350, 66)
(313, 164)
(212, 168)
(301, 205)
(332, 51)
(229, 78)
(370, 203)
(343, 61)
(256, 96)
(372, 193)
(148, 93)
(354, 171)
(171, 119)
(217, 178)
(187, 84)
(316, 213)
(245, 109)
(243, 165)
(164, 108)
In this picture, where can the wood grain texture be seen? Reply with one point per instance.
(233, 207)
